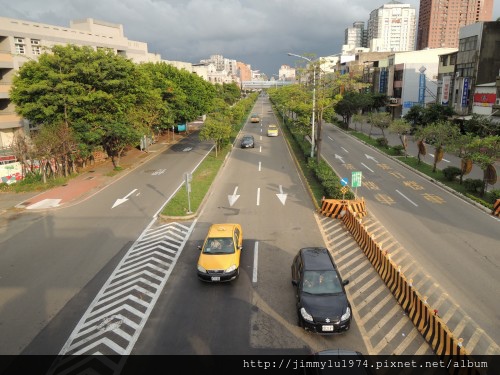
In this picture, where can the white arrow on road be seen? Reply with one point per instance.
(339, 157)
(124, 199)
(281, 196)
(447, 161)
(371, 157)
(233, 198)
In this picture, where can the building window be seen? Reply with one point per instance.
(20, 46)
(36, 48)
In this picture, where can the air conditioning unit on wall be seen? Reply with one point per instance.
(393, 101)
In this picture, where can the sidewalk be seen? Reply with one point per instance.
(88, 182)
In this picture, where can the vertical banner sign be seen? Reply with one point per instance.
(421, 89)
(445, 95)
(465, 92)
(383, 81)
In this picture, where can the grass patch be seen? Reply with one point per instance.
(315, 187)
(114, 171)
(203, 178)
(34, 183)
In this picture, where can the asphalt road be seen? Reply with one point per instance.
(256, 313)
(114, 279)
(48, 258)
(447, 245)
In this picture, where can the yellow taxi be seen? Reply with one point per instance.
(219, 258)
(272, 131)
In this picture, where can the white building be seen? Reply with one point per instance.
(286, 73)
(21, 41)
(392, 27)
(356, 36)
(413, 78)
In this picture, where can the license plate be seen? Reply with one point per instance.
(217, 278)
(327, 328)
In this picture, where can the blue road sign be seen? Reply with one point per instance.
(344, 181)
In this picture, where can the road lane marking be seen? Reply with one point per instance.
(258, 196)
(405, 197)
(255, 261)
(116, 317)
(364, 165)
(46, 203)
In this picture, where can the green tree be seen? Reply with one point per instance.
(229, 92)
(378, 100)
(81, 90)
(358, 118)
(486, 152)
(216, 128)
(463, 145)
(380, 120)
(481, 126)
(442, 135)
(351, 103)
(401, 127)
(435, 113)
(186, 95)
(415, 116)
(117, 136)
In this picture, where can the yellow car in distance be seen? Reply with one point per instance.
(219, 258)
(272, 131)
(255, 118)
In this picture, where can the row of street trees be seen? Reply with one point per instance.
(476, 141)
(79, 100)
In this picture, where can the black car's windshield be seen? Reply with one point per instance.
(321, 282)
(219, 246)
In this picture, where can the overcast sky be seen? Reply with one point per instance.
(256, 32)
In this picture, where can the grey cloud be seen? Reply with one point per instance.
(257, 32)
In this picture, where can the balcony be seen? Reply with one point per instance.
(6, 61)
(4, 91)
(10, 120)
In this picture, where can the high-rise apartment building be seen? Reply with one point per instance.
(439, 21)
(392, 27)
(356, 35)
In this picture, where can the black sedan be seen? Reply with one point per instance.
(322, 304)
(247, 141)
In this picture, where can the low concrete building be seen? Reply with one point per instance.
(413, 78)
(478, 62)
(21, 41)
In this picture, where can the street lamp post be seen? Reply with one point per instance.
(314, 99)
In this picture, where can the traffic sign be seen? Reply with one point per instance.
(344, 189)
(344, 181)
(356, 179)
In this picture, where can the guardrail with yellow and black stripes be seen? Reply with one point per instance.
(496, 208)
(423, 316)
